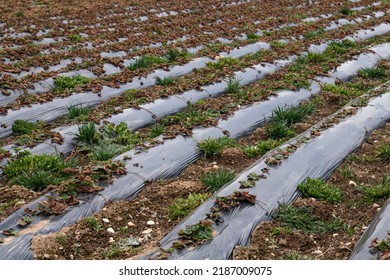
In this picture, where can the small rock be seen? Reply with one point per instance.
(147, 231)
(111, 240)
(46, 256)
(364, 227)
(215, 167)
(104, 209)
(318, 252)
(71, 256)
(375, 205)
(150, 223)
(131, 241)
(352, 184)
(107, 221)
(335, 234)
(111, 230)
(378, 209)
(130, 224)
(373, 177)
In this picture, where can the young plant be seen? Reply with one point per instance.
(379, 191)
(20, 127)
(87, 134)
(233, 85)
(346, 11)
(384, 153)
(317, 188)
(223, 62)
(201, 231)
(252, 36)
(145, 61)
(279, 130)
(76, 111)
(181, 207)
(62, 83)
(213, 147)
(216, 179)
(294, 114)
(372, 73)
(166, 81)
(93, 223)
(35, 181)
(156, 130)
(174, 54)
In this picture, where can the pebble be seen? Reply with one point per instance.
(107, 221)
(46, 256)
(147, 231)
(21, 202)
(150, 223)
(335, 234)
(352, 184)
(375, 205)
(130, 224)
(111, 240)
(378, 209)
(318, 252)
(215, 167)
(111, 230)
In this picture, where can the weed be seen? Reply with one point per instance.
(20, 127)
(233, 85)
(223, 62)
(338, 90)
(314, 34)
(130, 95)
(174, 54)
(339, 47)
(103, 153)
(120, 134)
(93, 223)
(278, 130)
(156, 130)
(112, 252)
(294, 114)
(62, 83)
(216, 179)
(346, 172)
(379, 191)
(36, 181)
(213, 147)
(145, 61)
(61, 240)
(9, 204)
(76, 111)
(75, 38)
(315, 57)
(295, 255)
(19, 14)
(181, 207)
(346, 11)
(32, 164)
(278, 44)
(384, 153)
(166, 81)
(252, 36)
(303, 219)
(261, 147)
(317, 188)
(87, 134)
(372, 73)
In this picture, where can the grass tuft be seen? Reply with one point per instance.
(216, 179)
(213, 147)
(181, 207)
(62, 83)
(317, 188)
(20, 127)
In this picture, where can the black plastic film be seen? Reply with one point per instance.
(245, 120)
(316, 159)
(378, 228)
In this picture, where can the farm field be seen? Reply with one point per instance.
(207, 130)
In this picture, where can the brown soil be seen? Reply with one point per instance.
(353, 209)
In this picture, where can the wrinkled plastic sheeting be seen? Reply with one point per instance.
(261, 112)
(378, 228)
(316, 159)
(16, 248)
(365, 34)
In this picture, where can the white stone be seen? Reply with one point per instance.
(130, 224)
(318, 252)
(111, 240)
(107, 221)
(150, 223)
(352, 184)
(111, 230)
(147, 231)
